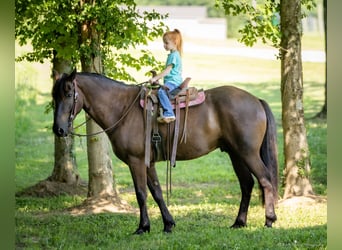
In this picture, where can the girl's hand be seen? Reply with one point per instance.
(153, 80)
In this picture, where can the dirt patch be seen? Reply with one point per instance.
(92, 205)
(47, 188)
(110, 204)
(302, 201)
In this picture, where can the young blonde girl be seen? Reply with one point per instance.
(172, 73)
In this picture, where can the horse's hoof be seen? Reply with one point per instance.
(143, 230)
(168, 229)
(270, 220)
(268, 224)
(238, 224)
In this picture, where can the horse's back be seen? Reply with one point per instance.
(234, 104)
(229, 119)
(231, 96)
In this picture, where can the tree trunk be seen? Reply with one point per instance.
(323, 112)
(297, 155)
(100, 165)
(65, 168)
(65, 177)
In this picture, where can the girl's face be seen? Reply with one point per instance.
(169, 44)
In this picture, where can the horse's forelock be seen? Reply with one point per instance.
(59, 86)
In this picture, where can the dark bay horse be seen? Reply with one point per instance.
(230, 119)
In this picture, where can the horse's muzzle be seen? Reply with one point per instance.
(60, 132)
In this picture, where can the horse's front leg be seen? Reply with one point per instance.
(156, 191)
(138, 172)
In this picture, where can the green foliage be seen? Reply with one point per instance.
(212, 11)
(117, 63)
(262, 19)
(308, 6)
(48, 26)
(54, 29)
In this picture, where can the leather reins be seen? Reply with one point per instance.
(73, 111)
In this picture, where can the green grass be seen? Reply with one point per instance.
(199, 227)
(205, 192)
(313, 41)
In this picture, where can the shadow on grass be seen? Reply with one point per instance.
(201, 227)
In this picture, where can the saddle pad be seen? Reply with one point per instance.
(200, 99)
(190, 93)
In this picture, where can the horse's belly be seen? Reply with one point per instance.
(195, 149)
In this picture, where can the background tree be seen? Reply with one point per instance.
(323, 112)
(56, 26)
(297, 155)
(100, 171)
(65, 166)
(100, 164)
(286, 37)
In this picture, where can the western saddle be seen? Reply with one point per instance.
(182, 97)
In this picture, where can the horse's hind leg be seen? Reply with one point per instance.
(259, 170)
(246, 185)
(156, 191)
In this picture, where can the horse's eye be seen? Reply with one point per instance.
(69, 95)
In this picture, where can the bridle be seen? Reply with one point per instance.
(73, 113)
(73, 108)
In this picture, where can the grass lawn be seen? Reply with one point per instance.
(205, 192)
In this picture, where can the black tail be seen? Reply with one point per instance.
(269, 151)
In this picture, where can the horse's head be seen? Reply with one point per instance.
(64, 96)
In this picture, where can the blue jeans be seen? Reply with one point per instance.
(164, 99)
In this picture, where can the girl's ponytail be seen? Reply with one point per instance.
(179, 42)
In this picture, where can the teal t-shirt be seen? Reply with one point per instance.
(175, 75)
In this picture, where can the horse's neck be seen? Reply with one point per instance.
(104, 103)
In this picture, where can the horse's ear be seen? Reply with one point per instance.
(73, 74)
(56, 75)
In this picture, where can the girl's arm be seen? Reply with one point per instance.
(161, 74)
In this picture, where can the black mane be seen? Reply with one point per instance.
(59, 87)
(101, 77)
